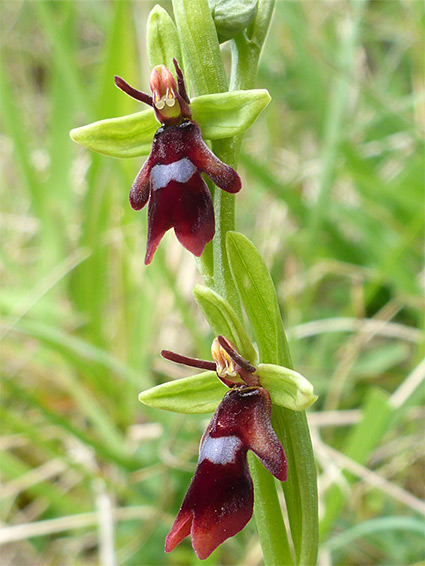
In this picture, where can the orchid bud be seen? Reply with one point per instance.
(231, 17)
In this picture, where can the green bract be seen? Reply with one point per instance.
(199, 393)
(257, 293)
(220, 115)
(256, 290)
(223, 320)
(231, 17)
(162, 39)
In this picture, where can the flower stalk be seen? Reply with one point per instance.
(200, 47)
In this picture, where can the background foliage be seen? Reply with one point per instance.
(333, 194)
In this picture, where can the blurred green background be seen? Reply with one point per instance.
(333, 179)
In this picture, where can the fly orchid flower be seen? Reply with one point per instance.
(171, 176)
(219, 502)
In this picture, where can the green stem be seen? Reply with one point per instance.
(268, 516)
(224, 210)
(258, 295)
(202, 58)
(201, 52)
(246, 50)
(292, 428)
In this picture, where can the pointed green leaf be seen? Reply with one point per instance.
(223, 320)
(197, 394)
(258, 296)
(287, 387)
(162, 39)
(257, 292)
(220, 115)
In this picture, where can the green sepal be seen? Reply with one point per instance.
(201, 393)
(287, 388)
(227, 114)
(127, 136)
(220, 115)
(223, 320)
(162, 39)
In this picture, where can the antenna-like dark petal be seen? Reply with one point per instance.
(180, 82)
(191, 362)
(137, 94)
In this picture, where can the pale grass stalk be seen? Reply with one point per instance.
(31, 478)
(178, 462)
(12, 441)
(45, 285)
(105, 533)
(253, 555)
(332, 473)
(325, 557)
(70, 523)
(334, 418)
(369, 477)
(145, 473)
(19, 223)
(409, 385)
(350, 352)
(360, 325)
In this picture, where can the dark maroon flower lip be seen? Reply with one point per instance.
(219, 501)
(171, 177)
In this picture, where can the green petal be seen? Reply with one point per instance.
(220, 115)
(201, 393)
(223, 320)
(287, 388)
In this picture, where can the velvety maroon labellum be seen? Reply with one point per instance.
(171, 178)
(178, 196)
(219, 502)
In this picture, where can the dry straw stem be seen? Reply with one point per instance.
(372, 478)
(351, 350)
(359, 325)
(72, 522)
(334, 418)
(37, 475)
(409, 385)
(106, 530)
